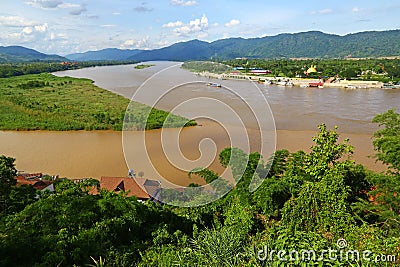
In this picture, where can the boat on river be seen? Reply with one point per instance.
(214, 84)
(289, 83)
(391, 85)
(316, 84)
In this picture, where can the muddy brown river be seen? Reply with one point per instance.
(296, 113)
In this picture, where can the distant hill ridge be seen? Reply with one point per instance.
(104, 54)
(23, 54)
(312, 44)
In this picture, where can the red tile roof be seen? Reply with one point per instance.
(36, 183)
(129, 185)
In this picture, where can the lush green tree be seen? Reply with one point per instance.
(271, 196)
(278, 163)
(325, 153)
(383, 205)
(7, 181)
(220, 247)
(22, 196)
(321, 203)
(387, 140)
(70, 226)
(374, 69)
(320, 206)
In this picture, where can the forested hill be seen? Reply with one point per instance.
(23, 54)
(311, 44)
(104, 54)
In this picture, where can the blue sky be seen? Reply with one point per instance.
(68, 26)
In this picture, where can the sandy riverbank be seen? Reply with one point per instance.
(296, 81)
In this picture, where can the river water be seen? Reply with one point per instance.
(293, 108)
(295, 111)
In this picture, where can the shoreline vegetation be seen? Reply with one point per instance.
(23, 68)
(341, 73)
(46, 102)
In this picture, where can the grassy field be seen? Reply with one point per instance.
(46, 102)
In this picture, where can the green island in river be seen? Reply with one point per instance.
(47, 102)
(143, 66)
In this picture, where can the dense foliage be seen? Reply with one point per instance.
(207, 66)
(363, 69)
(20, 68)
(46, 102)
(143, 66)
(309, 203)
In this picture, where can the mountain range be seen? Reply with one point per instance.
(312, 44)
(104, 54)
(23, 54)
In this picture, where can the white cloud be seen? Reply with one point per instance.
(78, 10)
(15, 21)
(183, 3)
(142, 43)
(356, 10)
(162, 43)
(108, 25)
(27, 30)
(75, 9)
(93, 16)
(41, 28)
(232, 23)
(23, 33)
(18, 38)
(143, 8)
(69, 5)
(129, 43)
(57, 36)
(197, 26)
(326, 11)
(322, 11)
(202, 35)
(62, 36)
(21, 30)
(45, 4)
(37, 28)
(173, 24)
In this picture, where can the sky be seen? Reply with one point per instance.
(69, 26)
